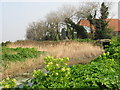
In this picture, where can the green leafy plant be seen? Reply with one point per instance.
(8, 83)
(19, 54)
(57, 77)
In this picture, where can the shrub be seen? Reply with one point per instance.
(5, 43)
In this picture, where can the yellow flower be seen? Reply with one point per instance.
(66, 75)
(67, 58)
(104, 54)
(112, 60)
(6, 86)
(34, 71)
(7, 78)
(47, 66)
(68, 72)
(108, 53)
(57, 65)
(56, 73)
(50, 63)
(63, 69)
(14, 80)
(68, 69)
(33, 75)
(39, 70)
(45, 74)
(61, 59)
(3, 81)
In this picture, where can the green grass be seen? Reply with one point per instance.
(19, 54)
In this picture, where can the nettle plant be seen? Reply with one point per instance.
(57, 77)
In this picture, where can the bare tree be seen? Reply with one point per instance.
(52, 22)
(66, 11)
(36, 31)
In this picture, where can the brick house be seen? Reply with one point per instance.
(113, 23)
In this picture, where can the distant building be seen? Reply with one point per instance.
(113, 23)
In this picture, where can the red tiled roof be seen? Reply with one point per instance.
(113, 23)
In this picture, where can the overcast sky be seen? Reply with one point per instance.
(16, 16)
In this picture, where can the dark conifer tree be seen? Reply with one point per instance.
(102, 30)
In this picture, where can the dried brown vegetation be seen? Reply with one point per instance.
(77, 52)
(18, 68)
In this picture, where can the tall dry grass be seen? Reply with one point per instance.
(62, 48)
(77, 52)
(18, 68)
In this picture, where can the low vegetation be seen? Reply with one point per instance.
(19, 54)
(24, 56)
(19, 60)
(102, 72)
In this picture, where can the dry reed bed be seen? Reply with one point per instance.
(76, 51)
(33, 44)
(18, 68)
(62, 48)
